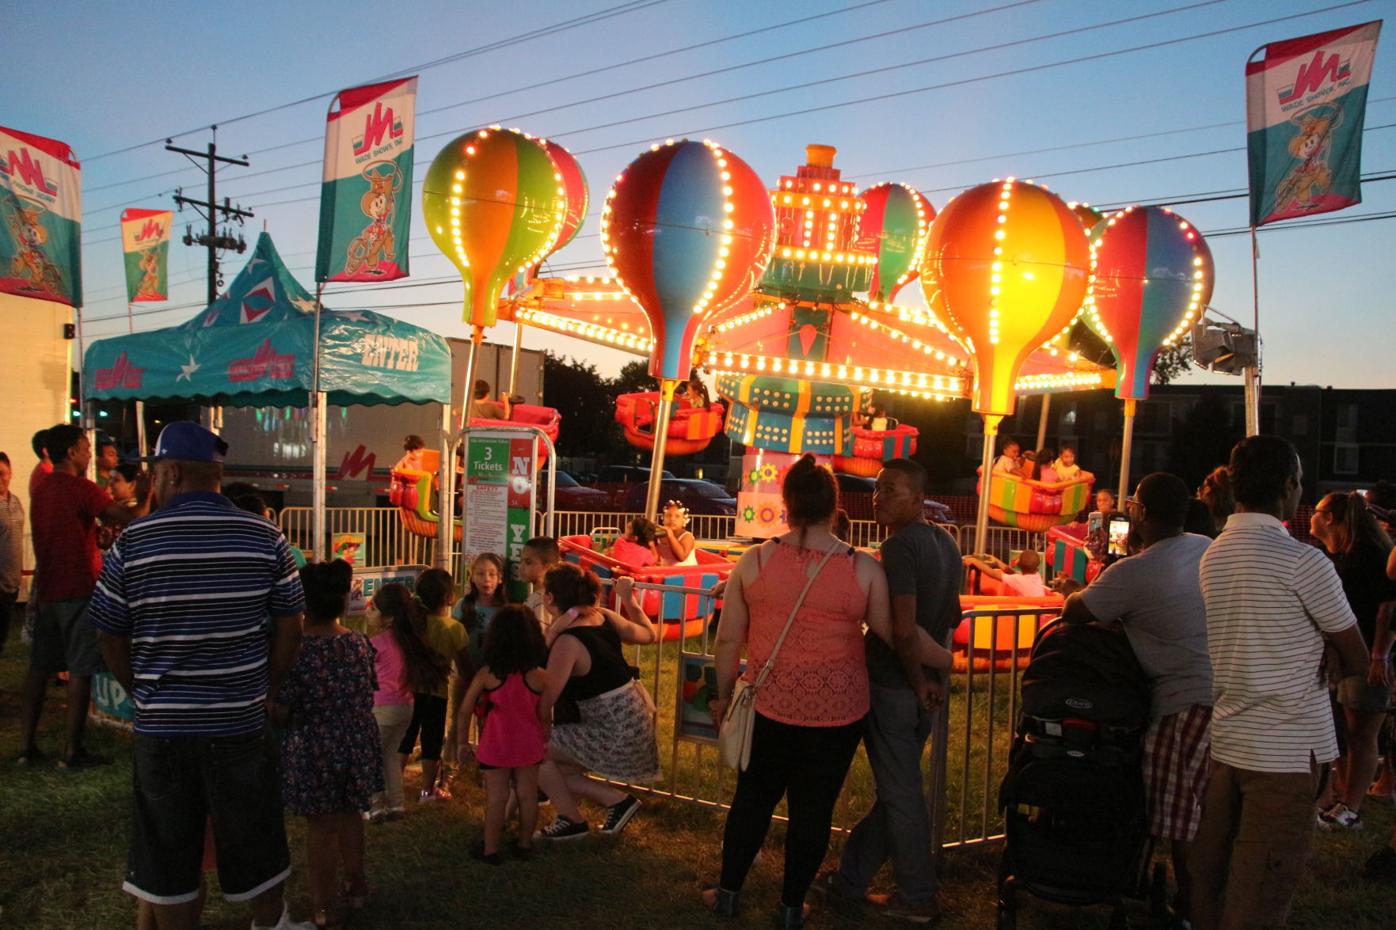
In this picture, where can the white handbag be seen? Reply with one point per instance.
(734, 733)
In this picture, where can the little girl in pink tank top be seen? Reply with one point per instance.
(513, 739)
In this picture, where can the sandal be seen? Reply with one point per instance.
(720, 901)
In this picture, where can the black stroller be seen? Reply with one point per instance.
(1073, 797)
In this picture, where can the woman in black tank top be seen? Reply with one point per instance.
(603, 719)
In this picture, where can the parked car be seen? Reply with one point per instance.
(855, 497)
(699, 496)
(618, 481)
(568, 494)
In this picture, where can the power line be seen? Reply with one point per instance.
(1124, 164)
(903, 30)
(941, 86)
(591, 72)
(630, 6)
(1015, 72)
(1234, 193)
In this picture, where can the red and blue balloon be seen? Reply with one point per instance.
(1153, 278)
(688, 230)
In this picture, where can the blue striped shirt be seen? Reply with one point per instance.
(195, 586)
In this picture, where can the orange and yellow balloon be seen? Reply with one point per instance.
(494, 203)
(1007, 267)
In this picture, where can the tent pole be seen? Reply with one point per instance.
(1126, 442)
(1252, 371)
(661, 436)
(318, 527)
(446, 487)
(140, 429)
(986, 473)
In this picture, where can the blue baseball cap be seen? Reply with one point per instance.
(186, 441)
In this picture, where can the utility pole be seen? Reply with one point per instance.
(211, 210)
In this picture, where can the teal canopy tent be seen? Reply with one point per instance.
(255, 347)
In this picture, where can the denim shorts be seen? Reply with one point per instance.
(1355, 693)
(182, 782)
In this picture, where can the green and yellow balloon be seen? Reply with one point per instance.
(494, 203)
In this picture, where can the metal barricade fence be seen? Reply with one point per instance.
(1001, 541)
(386, 541)
(966, 757)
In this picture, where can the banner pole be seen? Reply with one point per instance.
(1253, 370)
(319, 428)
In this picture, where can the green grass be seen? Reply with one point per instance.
(63, 850)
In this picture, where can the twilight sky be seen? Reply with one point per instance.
(1150, 124)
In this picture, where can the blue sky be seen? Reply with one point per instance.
(101, 78)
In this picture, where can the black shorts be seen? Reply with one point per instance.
(428, 719)
(182, 781)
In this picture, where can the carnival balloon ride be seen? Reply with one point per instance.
(496, 202)
(1153, 277)
(794, 357)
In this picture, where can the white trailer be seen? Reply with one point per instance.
(36, 358)
(269, 447)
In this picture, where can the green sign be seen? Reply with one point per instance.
(500, 491)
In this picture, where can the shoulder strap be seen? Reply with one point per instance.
(799, 602)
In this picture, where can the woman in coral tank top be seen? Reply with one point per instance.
(809, 711)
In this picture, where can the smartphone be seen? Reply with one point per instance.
(1095, 534)
(1119, 536)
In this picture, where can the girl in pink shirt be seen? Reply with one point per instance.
(514, 737)
(403, 663)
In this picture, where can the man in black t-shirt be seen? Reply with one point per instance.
(924, 572)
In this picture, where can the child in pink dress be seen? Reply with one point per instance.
(514, 737)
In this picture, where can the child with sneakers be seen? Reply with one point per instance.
(514, 737)
(448, 639)
(331, 761)
(404, 664)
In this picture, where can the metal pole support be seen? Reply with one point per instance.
(1126, 447)
(661, 435)
(986, 471)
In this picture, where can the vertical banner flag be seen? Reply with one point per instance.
(366, 196)
(1306, 102)
(145, 246)
(40, 218)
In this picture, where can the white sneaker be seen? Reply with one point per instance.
(285, 923)
(1340, 816)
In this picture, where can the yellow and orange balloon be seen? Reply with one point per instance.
(1007, 268)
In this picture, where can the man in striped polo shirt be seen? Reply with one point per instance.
(1272, 603)
(198, 611)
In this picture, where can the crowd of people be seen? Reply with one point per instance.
(1267, 658)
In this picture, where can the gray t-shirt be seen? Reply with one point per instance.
(922, 560)
(1157, 596)
(11, 542)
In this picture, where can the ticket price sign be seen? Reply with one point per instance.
(500, 497)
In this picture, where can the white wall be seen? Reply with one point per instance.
(35, 366)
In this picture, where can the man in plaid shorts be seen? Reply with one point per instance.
(1157, 597)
